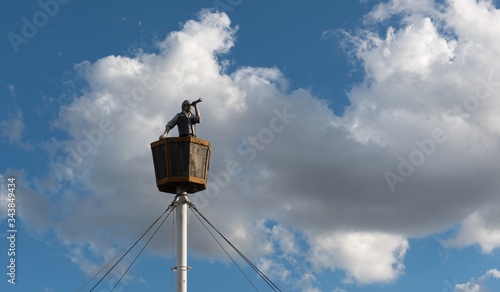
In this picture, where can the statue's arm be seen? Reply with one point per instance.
(197, 117)
(169, 127)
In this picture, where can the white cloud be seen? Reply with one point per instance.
(306, 283)
(475, 230)
(478, 285)
(386, 10)
(273, 269)
(469, 287)
(415, 49)
(367, 257)
(432, 74)
(300, 165)
(285, 239)
(478, 22)
(494, 273)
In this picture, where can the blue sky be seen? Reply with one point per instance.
(366, 135)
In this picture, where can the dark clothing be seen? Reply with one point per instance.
(186, 124)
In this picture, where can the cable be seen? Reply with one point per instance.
(259, 272)
(121, 252)
(140, 236)
(128, 250)
(171, 208)
(267, 280)
(254, 267)
(151, 237)
(224, 250)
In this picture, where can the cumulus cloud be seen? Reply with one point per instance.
(414, 154)
(448, 84)
(366, 256)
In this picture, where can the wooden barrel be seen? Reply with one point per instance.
(181, 164)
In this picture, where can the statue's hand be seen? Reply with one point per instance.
(161, 137)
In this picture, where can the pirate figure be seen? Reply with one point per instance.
(185, 120)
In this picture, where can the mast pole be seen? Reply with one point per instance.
(181, 219)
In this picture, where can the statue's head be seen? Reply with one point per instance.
(186, 106)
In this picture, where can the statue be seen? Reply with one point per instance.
(185, 120)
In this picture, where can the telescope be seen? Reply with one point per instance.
(197, 101)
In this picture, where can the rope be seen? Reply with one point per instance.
(259, 272)
(135, 241)
(171, 208)
(225, 250)
(151, 237)
(149, 227)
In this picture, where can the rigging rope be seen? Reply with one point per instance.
(135, 241)
(171, 208)
(145, 231)
(224, 250)
(151, 237)
(259, 272)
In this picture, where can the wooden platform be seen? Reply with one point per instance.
(181, 163)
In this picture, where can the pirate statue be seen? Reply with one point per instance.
(185, 120)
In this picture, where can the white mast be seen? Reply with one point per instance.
(181, 264)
